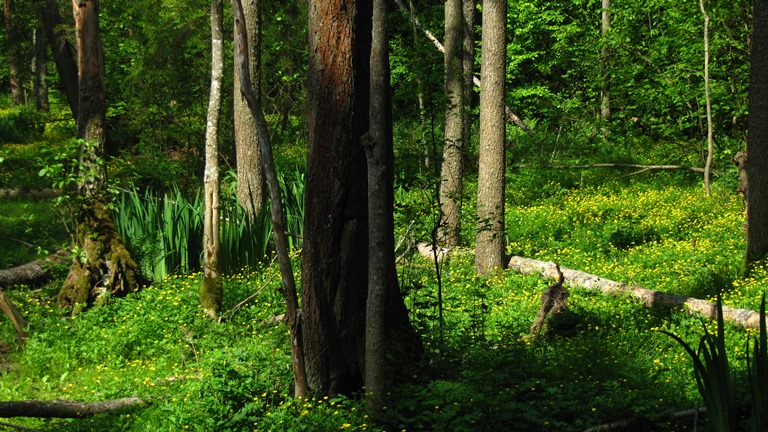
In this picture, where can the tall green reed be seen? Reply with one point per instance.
(165, 233)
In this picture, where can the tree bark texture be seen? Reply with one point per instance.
(104, 265)
(278, 217)
(41, 70)
(377, 143)
(61, 49)
(211, 289)
(250, 177)
(489, 253)
(468, 67)
(335, 260)
(605, 55)
(650, 298)
(12, 52)
(334, 266)
(452, 168)
(66, 408)
(33, 273)
(757, 139)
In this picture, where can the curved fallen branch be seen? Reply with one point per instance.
(743, 317)
(66, 408)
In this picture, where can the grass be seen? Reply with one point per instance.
(29, 230)
(608, 362)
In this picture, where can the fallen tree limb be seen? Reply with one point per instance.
(66, 408)
(641, 167)
(34, 272)
(743, 317)
(511, 116)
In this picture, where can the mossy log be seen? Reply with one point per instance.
(66, 408)
(742, 317)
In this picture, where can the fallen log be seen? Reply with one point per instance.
(743, 317)
(34, 272)
(66, 408)
(640, 167)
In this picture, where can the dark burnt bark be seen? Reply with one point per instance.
(757, 142)
(334, 266)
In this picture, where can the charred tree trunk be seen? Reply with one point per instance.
(335, 261)
(56, 35)
(104, 265)
(210, 288)
(757, 141)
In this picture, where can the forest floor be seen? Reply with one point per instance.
(606, 361)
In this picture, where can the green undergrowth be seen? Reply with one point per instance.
(603, 362)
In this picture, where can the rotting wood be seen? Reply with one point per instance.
(34, 272)
(552, 302)
(742, 317)
(66, 408)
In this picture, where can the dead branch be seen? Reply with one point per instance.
(742, 317)
(552, 302)
(66, 408)
(34, 272)
(641, 167)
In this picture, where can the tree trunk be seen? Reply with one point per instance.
(104, 265)
(757, 140)
(708, 97)
(33, 273)
(334, 266)
(424, 167)
(468, 67)
(278, 217)
(376, 145)
(605, 54)
(510, 115)
(41, 70)
(211, 289)
(12, 52)
(451, 172)
(56, 34)
(250, 177)
(335, 261)
(490, 185)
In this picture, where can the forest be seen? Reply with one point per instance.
(408, 215)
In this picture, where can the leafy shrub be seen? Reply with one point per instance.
(20, 125)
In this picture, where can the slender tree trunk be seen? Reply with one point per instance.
(12, 51)
(104, 267)
(211, 290)
(605, 55)
(452, 169)
(468, 59)
(489, 253)
(41, 70)
(278, 217)
(250, 177)
(376, 144)
(425, 166)
(708, 97)
(56, 34)
(757, 140)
